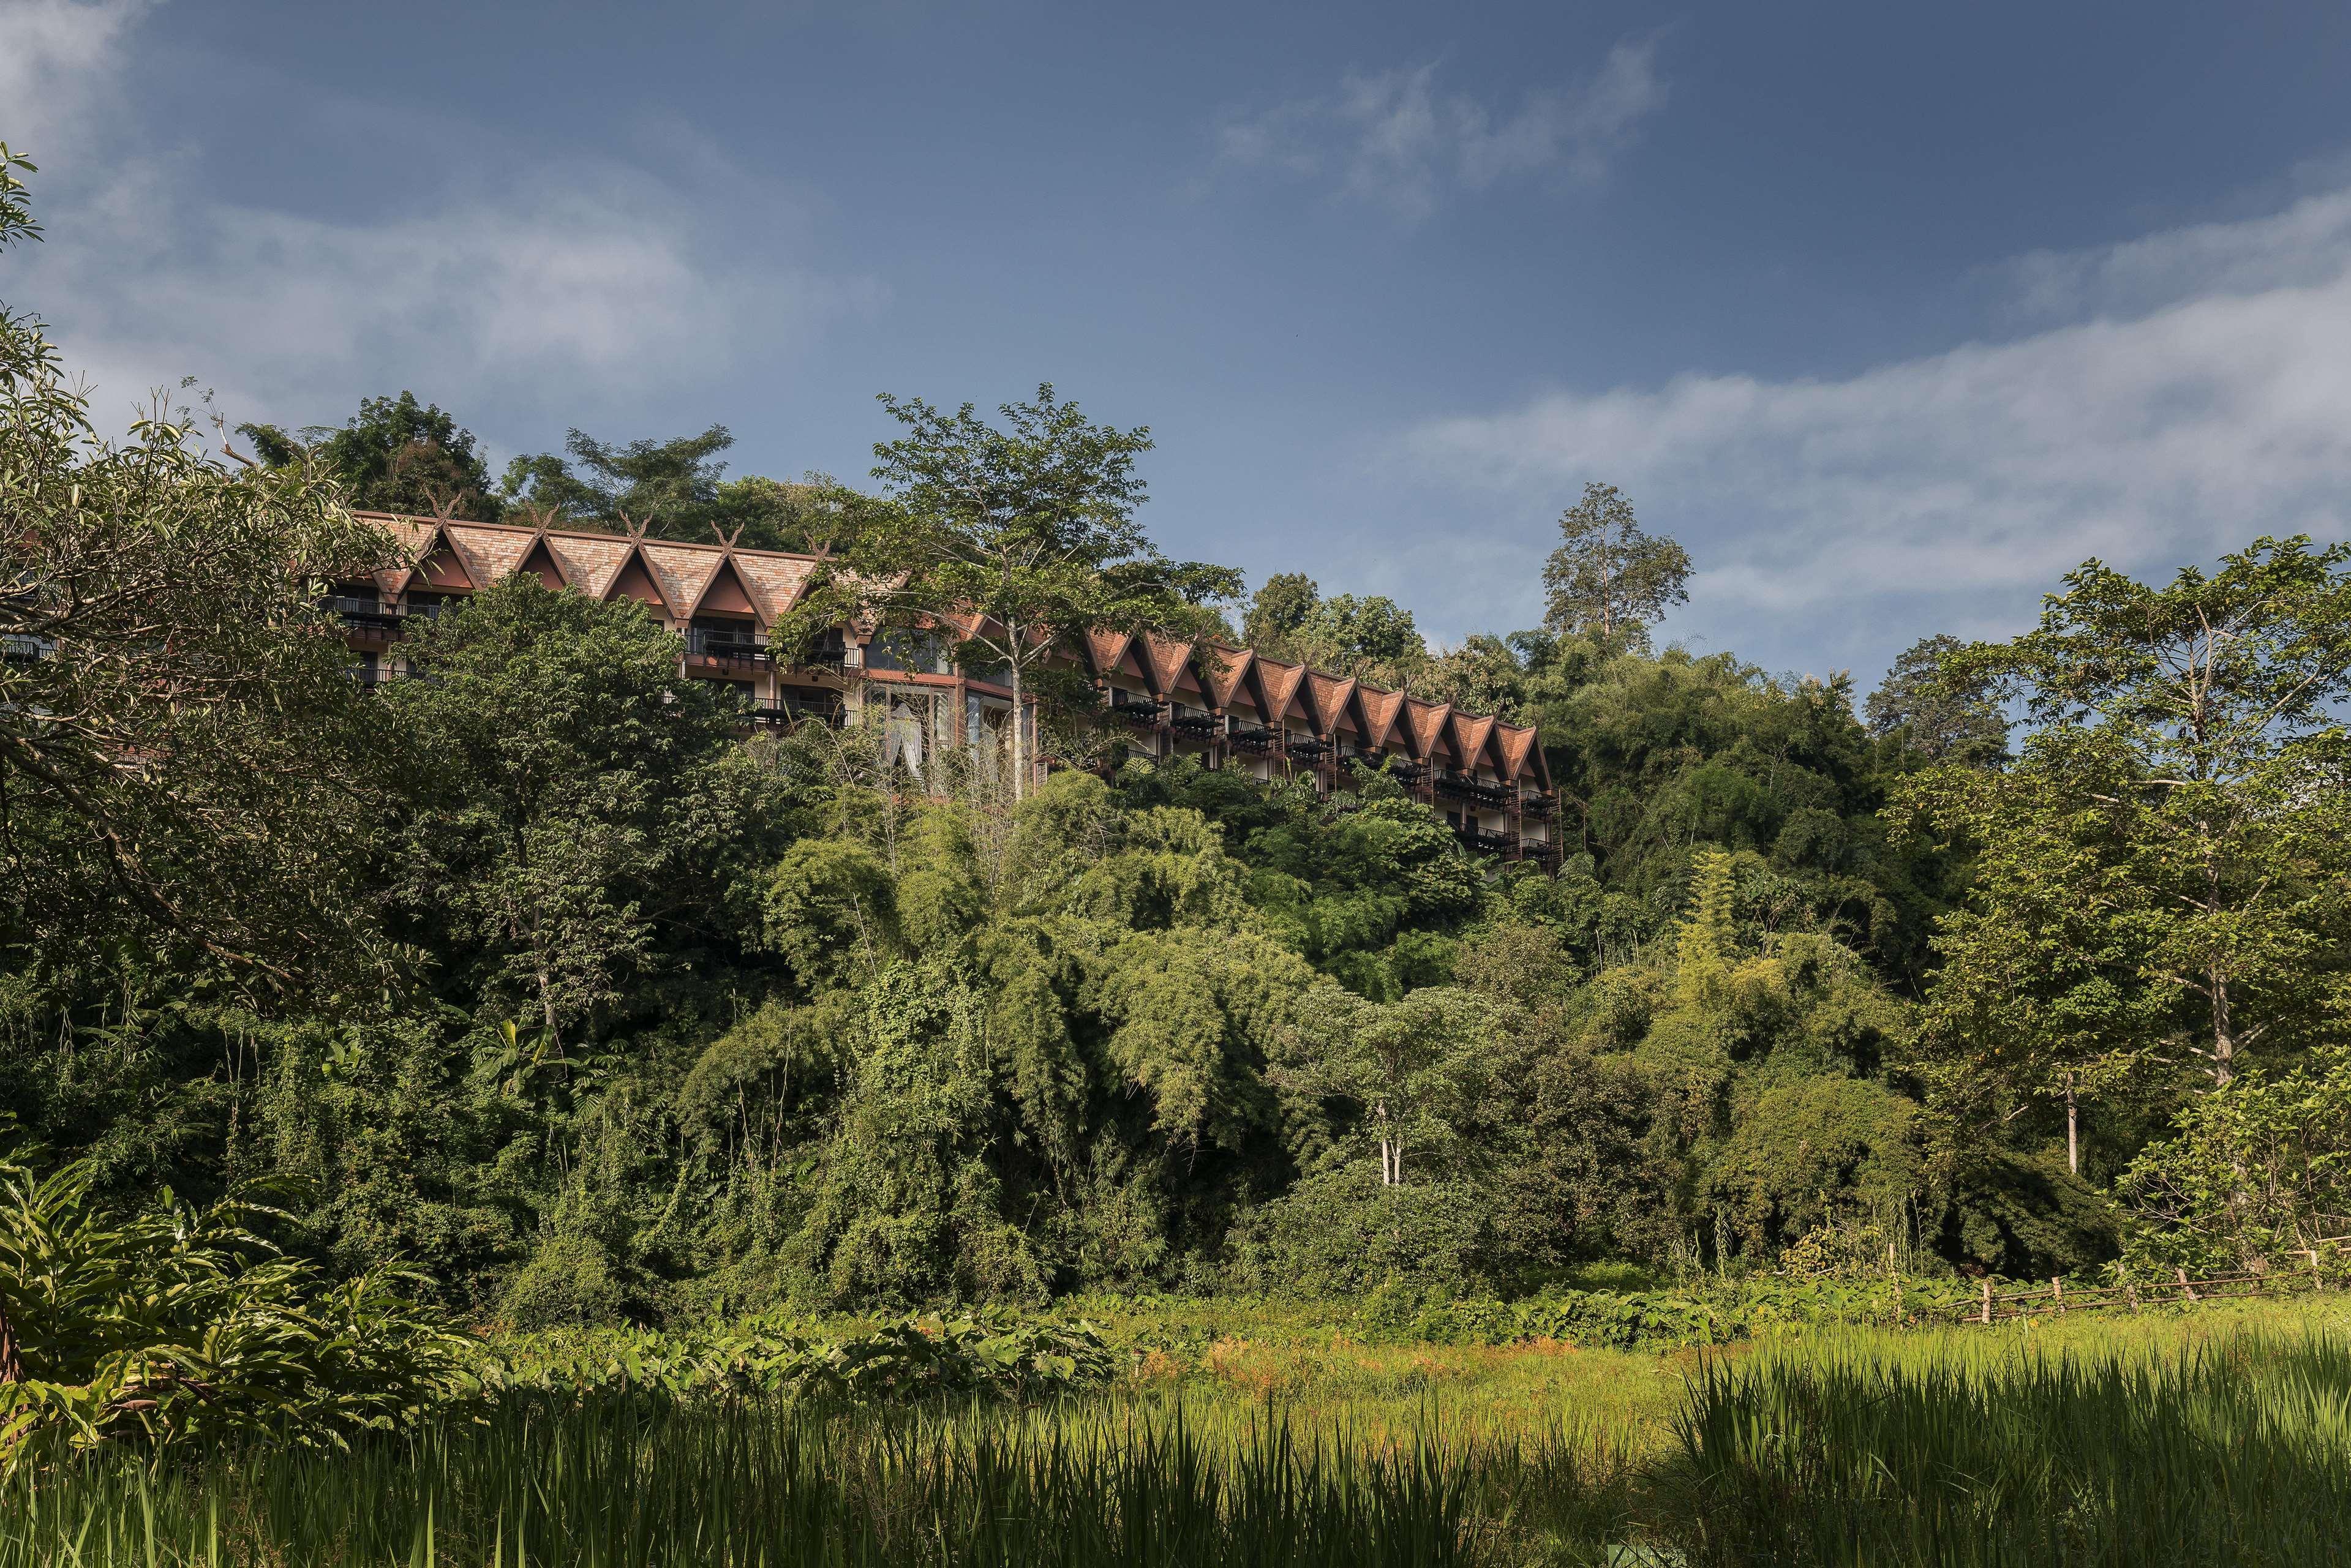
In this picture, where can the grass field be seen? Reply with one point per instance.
(2221, 1435)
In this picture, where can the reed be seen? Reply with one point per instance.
(2209, 1437)
(2226, 1449)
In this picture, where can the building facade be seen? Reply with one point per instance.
(1226, 706)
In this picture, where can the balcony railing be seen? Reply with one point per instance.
(1255, 742)
(1539, 807)
(727, 648)
(1462, 787)
(789, 713)
(1199, 726)
(1141, 712)
(1490, 842)
(367, 617)
(1309, 748)
(23, 648)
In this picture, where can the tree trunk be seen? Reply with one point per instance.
(2072, 1129)
(1020, 722)
(2224, 1040)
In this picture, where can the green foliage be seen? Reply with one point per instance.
(2252, 1175)
(184, 1326)
(675, 489)
(2208, 1456)
(900, 1359)
(152, 615)
(1930, 714)
(1608, 577)
(394, 455)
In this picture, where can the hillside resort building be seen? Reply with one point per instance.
(1228, 707)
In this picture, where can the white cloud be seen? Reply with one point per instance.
(1392, 138)
(53, 58)
(586, 282)
(2200, 396)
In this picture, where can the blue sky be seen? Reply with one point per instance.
(1889, 313)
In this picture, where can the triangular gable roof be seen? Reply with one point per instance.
(776, 582)
(1326, 696)
(1381, 709)
(1226, 667)
(1104, 649)
(1428, 722)
(726, 593)
(1164, 660)
(486, 552)
(1516, 743)
(635, 580)
(1279, 682)
(591, 562)
(539, 557)
(1470, 735)
(680, 572)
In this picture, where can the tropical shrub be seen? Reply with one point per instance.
(184, 1324)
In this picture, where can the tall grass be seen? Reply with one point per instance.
(2179, 1439)
(2235, 1450)
(638, 1481)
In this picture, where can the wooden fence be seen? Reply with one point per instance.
(2057, 1298)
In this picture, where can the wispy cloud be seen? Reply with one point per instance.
(1393, 139)
(2197, 393)
(587, 281)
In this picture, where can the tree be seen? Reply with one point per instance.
(1371, 638)
(1279, 610)
(1021, 538)
(575, 806)
(1411, 1069)
(1608, 576)
(2164, 870)
(184, 766)
(393, 455)
(1940, 721)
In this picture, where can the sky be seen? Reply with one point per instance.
(1890, 314)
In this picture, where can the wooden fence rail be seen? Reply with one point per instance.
(2057, 1298)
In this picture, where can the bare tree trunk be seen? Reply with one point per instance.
(2072, 1129)
(1019, 723)
(2224, 1040)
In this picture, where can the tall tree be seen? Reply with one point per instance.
(184, 769)
(2165, 866)
(1608, 576)
(1935, 718)
(575, 809)
(1411, 1069)
(1022, 537)
(395, 454)
(673, 487)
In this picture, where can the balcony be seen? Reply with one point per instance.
(1487, 842)
(23, 648)
(789, 713)
(1195, 726)
(363, 618)
(1539, 807)
(733, 649)
(1406, 771)
(1309, 748)
(1140, 712)
(1255, 742)
(1460, 786)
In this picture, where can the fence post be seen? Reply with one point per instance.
(2185, 1289)
(2317, 1278)
(2130, 1294)
(1987, 1298)
(2057, 1288)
